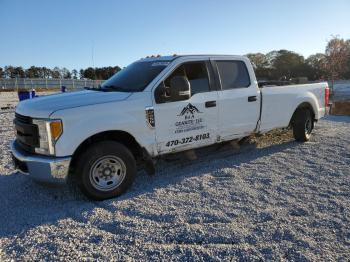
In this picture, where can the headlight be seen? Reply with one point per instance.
(49, 132)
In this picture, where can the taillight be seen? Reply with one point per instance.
(326, 96)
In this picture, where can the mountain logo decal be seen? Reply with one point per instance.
(189, 110)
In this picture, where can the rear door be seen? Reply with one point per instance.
(239, 99)
(189, 123)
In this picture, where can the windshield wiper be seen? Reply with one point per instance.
(113, 88)
(92, 88)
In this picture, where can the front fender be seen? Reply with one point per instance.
(81, 123)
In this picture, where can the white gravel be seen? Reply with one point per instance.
(279, 200)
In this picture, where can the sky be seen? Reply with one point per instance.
(81, 33)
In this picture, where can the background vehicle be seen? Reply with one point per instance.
(153, 107)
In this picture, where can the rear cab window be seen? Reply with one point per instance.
(233, 74)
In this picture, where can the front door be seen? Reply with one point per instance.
(190, 123)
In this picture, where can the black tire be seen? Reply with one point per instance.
(89, 165)
(303, 125)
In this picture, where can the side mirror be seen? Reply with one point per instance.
(180, 88)
(160, 94)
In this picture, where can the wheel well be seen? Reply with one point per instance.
(304, 105)
(119, 136)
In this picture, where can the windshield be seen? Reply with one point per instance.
(135, 77)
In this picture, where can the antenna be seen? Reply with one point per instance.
(92, 54)
(93, 62)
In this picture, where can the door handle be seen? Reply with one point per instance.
(252, 98)
(210, 104)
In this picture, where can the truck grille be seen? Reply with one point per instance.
(27, 134)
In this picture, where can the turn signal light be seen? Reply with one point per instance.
(56, 129)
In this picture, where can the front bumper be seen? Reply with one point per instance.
(46, 169)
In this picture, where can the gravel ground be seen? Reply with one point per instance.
(274, 199)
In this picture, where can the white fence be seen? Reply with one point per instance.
(26, 83)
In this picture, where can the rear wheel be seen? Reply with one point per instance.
(105, 170)
(302, 125)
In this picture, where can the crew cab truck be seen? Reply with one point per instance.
(155, 106)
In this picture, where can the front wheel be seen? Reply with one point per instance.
(105, 170)
(303, 125)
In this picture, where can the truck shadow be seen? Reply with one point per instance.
(26, 204)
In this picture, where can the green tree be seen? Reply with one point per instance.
(65, 73)
(33, 72)
(261, 66)
(89, 73)
(258, 60)
(287, 65)
(99, 73)
(81, 73)
(45, 72)
(8, 72)
(317, 65)
(271, 56)
(279, 65)
(75, 74)
(14, 72)
(55, 73)
(18, 72)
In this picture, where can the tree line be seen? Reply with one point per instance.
(282, 65)
(100, 73)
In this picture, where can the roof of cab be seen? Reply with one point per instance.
(170, 58)
(159, 58)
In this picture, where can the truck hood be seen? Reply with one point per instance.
(43, 107)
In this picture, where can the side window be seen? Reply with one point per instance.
(233, 74)
(197, 75)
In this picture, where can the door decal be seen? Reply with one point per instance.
(189, 119)
(189, 109)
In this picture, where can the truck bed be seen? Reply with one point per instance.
(280, 102)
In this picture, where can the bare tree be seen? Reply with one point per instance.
(337, 57)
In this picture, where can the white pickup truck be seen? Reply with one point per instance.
(155, 106)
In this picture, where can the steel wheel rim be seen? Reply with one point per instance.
(107, 173)
(308, 126)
